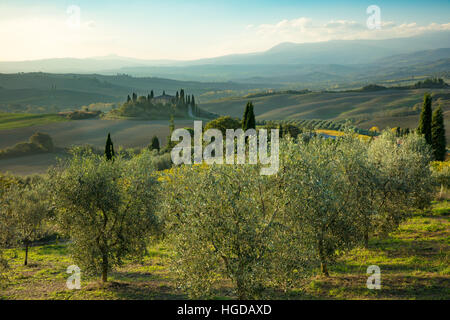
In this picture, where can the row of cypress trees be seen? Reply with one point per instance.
(431, 126)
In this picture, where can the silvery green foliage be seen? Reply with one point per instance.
(155, 160)
(227, 222)
(404, 172)
(27, 207)
(362, 183)
(106, 207)
(321, 206)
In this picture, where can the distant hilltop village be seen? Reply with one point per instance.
(161, 107)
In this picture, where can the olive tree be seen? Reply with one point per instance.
(6, 225)
(106, 207)
(361, 182)
(405, 177)
(227, 222)
(320, 204)
(441, 174)
(28, 208)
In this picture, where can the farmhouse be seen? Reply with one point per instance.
(164, 99)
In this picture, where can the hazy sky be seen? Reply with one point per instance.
(184, 29)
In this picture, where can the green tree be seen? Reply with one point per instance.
(223, 123)
(439, 143)
(425, 119)
(128, 99)
(106, 208)
(154, 145)
(29, 207)
(109, 148)
(226, 221)
(43, 140)
(250, 121)
(317, 191)
(404, 177)
(245, 117)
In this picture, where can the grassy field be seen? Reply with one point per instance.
(414, 264)
(386, 108)
(20, 120)
(125, 133)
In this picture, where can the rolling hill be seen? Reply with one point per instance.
(383, 108)
(59, 92)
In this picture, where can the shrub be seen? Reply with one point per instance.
(154, 145)
(316, 188)
(107, 208)
(42, 140)
(441, 174)
(27, 207)
(404, 173)
(227, 221)
(39, 143)
(223, 123)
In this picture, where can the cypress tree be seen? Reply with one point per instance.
(425, 118)
(154, 144)
(244, 119)
(183, 101)
(438, 141)
(251, 122)
(134, 97)
(128, 99)
(193, 101)
(152, 95)
(109, 148)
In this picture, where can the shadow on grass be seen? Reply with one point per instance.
(143, 291)
(136, 276)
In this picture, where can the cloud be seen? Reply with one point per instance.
(304, 29)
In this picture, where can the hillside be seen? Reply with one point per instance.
(384, 108)
(44, 92)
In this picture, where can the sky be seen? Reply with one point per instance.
(188, 29)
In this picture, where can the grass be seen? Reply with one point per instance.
(414, 263)
(20, 120)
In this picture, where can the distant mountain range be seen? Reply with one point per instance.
(321, 65)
